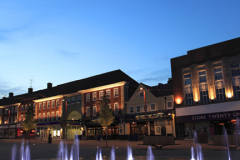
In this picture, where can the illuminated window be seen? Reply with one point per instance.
(141, 94)
(88, 111)
(54, 133)
(58, 133)
(53, 103)
(48, 116)
(39, 117)
(108, 93)
(138, 109)
(57, 102)
(88, 97)
(52, 115)
(57, 115)
(94, 110)
(116, 108)
(153, 107)
(101, 95)
(115, 92)
(43, 118)
(131, 109)
(94, 96)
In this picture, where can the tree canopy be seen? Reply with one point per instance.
(29, 122)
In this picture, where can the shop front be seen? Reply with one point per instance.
(158, 124)
(49, 128)
(4, 131)
(212, 122)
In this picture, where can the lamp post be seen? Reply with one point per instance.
(65, 122)
(144, 95)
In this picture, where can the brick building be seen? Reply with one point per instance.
(206, 89)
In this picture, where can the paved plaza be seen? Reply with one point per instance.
(43, 150)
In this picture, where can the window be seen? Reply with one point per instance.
(153, 108)
(88, 112)
(204, 96)
(218, 73)
(48, 115)
(15, 119)
(187, 79)
(220, 94)
(144, 108)
(12, 110)
(108, 93)
(140, 94)
(44, 105)
(43, 118)
(34, 104)
(131, 109)
(73, 100)
(68, 101)
(78, 99)
(115, 92)
(138, 109)
(235, 70)
(26, 107)
(52, 115)
(57, 102)
(40, 106)
(88, 97)
(202, 76)
(6, 111)
(48, 104)
(39, 117)
(21, 118)
(189, 98)
(16, 109)
(169, 105)
(116, 109)
(22, 108)
(101, 95)
(57, 115)
(94, 110)
(53, 103)
(94, 96)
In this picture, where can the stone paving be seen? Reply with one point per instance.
(43, 150)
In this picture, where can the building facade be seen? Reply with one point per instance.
(206, 89)
(159, 111)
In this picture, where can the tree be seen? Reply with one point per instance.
(106, 115)
(29, 122)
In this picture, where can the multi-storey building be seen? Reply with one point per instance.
(118, 87)
(206, 89)
(159, 111)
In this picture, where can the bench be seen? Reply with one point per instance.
(158, 141)
(233, 141)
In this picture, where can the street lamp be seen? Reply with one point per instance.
(144, 95)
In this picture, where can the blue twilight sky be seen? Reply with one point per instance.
(61, 41)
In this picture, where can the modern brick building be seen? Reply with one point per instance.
(206, 89)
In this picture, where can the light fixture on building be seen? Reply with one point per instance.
(220, 124)
(169, 114)
(178, 101)
(229, 95)
(233, 120)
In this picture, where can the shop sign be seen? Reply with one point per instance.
(47, 123)
(12, 126)
(20, 125)
(209, 117)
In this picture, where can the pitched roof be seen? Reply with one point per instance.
(74, 86)
(160, 89)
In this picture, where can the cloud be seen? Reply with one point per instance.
(5, 89)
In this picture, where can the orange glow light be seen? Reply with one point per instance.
(221, 124)
(178, 101)
(229, 95)
(233, 120)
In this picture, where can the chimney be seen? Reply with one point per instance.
(10, 94)
(49, 85)
(30, 90)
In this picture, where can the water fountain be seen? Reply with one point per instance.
(129, 153)
(112, 153)
(150, 155)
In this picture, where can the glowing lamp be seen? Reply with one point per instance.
(233, 120)
(220, 124)
(229, 95)
(178, 101)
